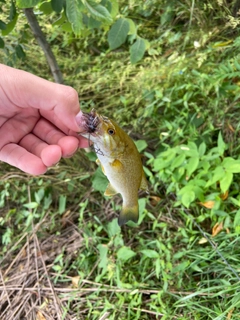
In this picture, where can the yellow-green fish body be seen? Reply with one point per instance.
(120, 162)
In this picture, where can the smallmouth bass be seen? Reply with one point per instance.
(120, 162)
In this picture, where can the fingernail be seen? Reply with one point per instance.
(79, 119)
(70, 155)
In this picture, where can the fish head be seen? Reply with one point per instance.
(102, 131)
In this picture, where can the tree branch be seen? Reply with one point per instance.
(41, 39)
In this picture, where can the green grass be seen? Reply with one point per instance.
(62, 253)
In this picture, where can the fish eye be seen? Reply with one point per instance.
(111, 132)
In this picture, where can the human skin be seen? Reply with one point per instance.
(38, 124)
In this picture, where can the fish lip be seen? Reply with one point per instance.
(87, 134)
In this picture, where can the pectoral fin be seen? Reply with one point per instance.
(128, 213)
(116, 164)
(110, 191)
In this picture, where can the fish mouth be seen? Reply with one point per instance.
(91, 122)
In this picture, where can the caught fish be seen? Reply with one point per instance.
(120, 162)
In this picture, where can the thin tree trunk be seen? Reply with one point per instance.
(41, 39)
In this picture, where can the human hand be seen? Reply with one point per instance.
(37, 121)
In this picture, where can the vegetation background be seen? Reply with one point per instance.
(173, 83)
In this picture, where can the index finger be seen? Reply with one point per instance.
(25, 90)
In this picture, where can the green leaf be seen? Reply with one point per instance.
(199, 194)
(13, 11)
(190, 149)
(231, 165)
(62, 203)
(237, 229)
(160, 164)
(74, 15)
(57, 5)
(132, 27)
(2, 25)
(142, 205)
(103, 251)
(27, 3)
(67, 27)
(150, 253)
(46, 7)
(181, 267)
(164, 159)
(93, 23)
(6, 237)
(137, 50)
(141, 145)
(113, 228)
(235, 201)
(91, 156)
(117, 35)
(226, 181)
(10, 26)
(60, 20)
(98, 11)
(114, 8)
(237, 219)
(31, 205)
(187, 198)
(158, 267)
(221, 144)
(192, 165)
(99, 180)
(57, 268)
(218, 174)
(147, 44)
(125, 253)
(19, 51)
(39, 195)
(47, 202)
(202, 149)
(178, 161)
(204, 164)
(1, 43)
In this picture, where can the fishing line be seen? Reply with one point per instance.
(214, 246)
(89, 141)
(98, 151)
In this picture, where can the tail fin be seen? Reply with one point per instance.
(128, 213)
